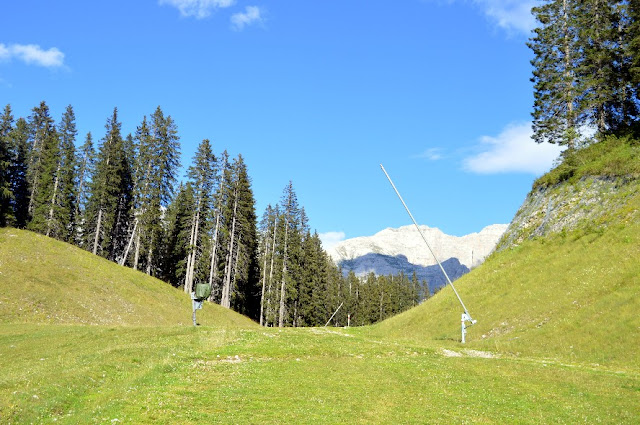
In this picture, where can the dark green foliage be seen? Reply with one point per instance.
(6, 195)
(107, 211)
(176, 238)
(61, 221)
(555, 62)
(19, 186)
(44, 163)
(585, 69)
(85, 164)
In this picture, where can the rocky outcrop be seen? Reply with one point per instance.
(587, 204)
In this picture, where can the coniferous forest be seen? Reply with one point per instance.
(121, 197)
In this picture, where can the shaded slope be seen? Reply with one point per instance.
(381, 265)
(47, 281)
(572, 295)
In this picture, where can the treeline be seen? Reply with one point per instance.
(123, 201)
(586, 69)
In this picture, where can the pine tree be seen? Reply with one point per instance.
(86, 158)
(246, 273)
(46, 146)
(42, 164)
(19, 168)
(555, 63)
(173, 261)
(291, 253)
(202, 175)
(632, 47)
(595, 74)
(6, 194)
(164, 160)
(61, 216)
(109, 190)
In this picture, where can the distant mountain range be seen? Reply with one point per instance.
(393, 250)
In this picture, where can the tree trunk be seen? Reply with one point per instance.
(97, 238)
(225, 301)
(136, 256)
(53, 199)
(284, 274)
(150, 255)
(126, 252)
(214, 249)
(191, 258)
(264, 280)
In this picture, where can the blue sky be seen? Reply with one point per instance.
(318, 92)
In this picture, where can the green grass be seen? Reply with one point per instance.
(612, 157)
(94, 374)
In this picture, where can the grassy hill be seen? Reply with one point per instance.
(50, 282)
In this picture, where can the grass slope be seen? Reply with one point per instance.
(46, 281)
(572, 297)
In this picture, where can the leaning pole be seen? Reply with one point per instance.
(466, 317)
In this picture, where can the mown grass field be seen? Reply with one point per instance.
(96, 374)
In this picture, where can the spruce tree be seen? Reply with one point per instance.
(632, 47)
(85, 163)
(173, 261)
(46, 145)
(163, 162)
(555, 114)
(42, 163)
(19, 168)
(61, 216)
(202, 176)
(6, 195)
(109, 190)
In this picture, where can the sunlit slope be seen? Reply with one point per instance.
(573, 296)
(46, 281)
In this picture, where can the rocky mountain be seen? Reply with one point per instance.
(393, 250)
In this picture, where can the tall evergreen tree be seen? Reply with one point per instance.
(202, 175)
(6, 195)
(61, 216)
(85, 163)
(109, 188)
(163, 162)
(42, 163)
(554, 45)
(46, 146)
(19, 168)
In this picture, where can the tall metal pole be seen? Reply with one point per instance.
(466, 312)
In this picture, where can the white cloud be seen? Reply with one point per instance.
(331, 239)
(432, 154)
(197, 8)
(510, 15)
(251, 15)
(32, 54)
(512, 151)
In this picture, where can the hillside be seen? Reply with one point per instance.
(565, 283)
(46, 281)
